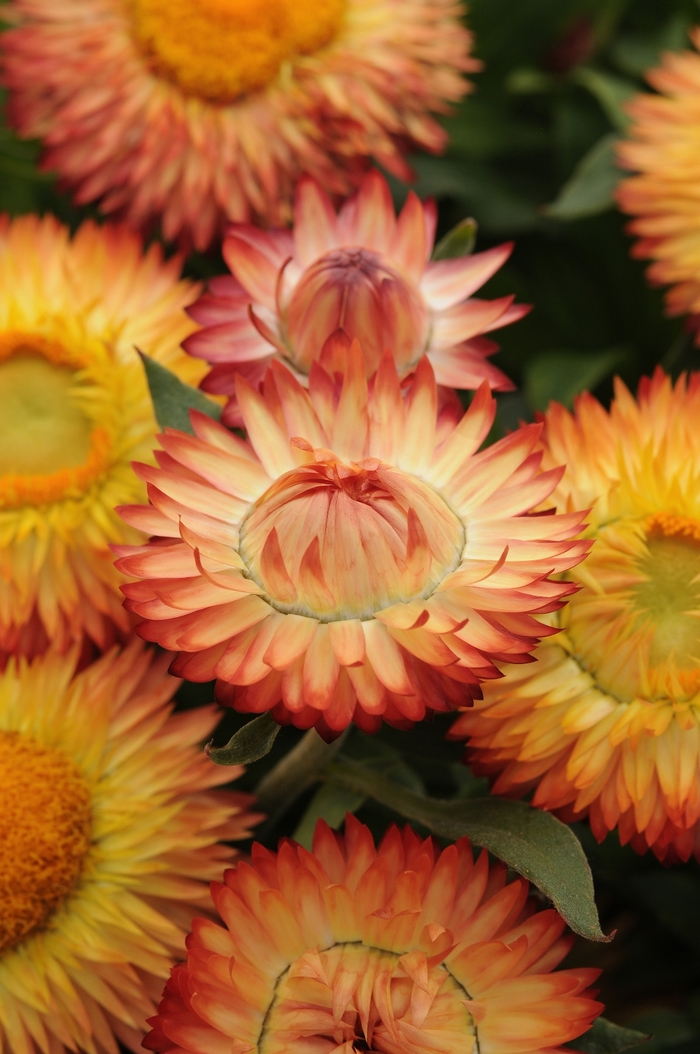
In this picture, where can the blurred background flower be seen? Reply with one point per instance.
(109, 833)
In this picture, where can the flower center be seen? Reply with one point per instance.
(222, 49)
(335, 541)
(371, 999)
(48, 444)
(641, 635)
(44, 834)
(352, 289)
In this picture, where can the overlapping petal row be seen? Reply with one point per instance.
(403, 949)
(109, 833)
(356, 558)
(362, 269)
(662, 149)
(159, 112)
(75, 411)
(606, 723)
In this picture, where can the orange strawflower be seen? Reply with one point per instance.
(196, 112)
(605, 724)
(364, 270)
(356, 558)
(75, 411)
(663, 150)
(109, 833)
(404, 949)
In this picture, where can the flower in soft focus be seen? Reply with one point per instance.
(355, 559)
(664, 151)
(404, 949)
(605, 724)
(203, 111)
(109, 833)
(75, 411)
(364, 271)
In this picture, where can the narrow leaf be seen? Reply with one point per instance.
(460, 241)
(590, 188)
(533, 843)
(603, 1037)
(249, 744)
(561, 375)
(330, 803)
(611, 92)
(173, 399)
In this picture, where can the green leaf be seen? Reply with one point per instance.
(610, 91)
(249, 744)
(533, 843)
(295, 772)
(603, 1037)
(173, 399)
(460, 241)
(590, 188)
(330, 803)
(561, 375)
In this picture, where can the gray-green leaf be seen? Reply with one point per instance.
(173, 399)
(330, 803)
(249, 744)
(460, 241)
(590, 188)
(533, 843)
(604, 1037)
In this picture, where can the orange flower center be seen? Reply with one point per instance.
(641, 634)
(222, 49)
(336, 541)
(370, 999)
(49, 448)
(44, 834)
(354, 290)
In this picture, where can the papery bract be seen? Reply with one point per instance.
(404, 949)
(364, 271)
(356, 558)
(606, 723)
(195, 112)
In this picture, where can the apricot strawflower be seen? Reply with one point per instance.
(75, 411)
(662, 149)
(197, 112)
(355, 558)
(363, 270)
(404, 949)
(605, 723)
(109, 833)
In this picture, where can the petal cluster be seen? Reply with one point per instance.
(403, 948)
(606, 723)
(76, 410)
(120, 130)
(662, 150)
(86, 976)
(356, 558)
(363, 270)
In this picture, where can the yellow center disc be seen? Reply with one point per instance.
(44, 834)
(222, 49)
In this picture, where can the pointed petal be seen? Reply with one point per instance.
(351, 425)
(269, 440)
(315, 222)
(348, 641)
(273, 571)
(408, 244)
(448, 282)
(321, 670)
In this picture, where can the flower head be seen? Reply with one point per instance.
(404, 948)
(75, 411)
(203, 111)
(606, 723)
(355, 559)
(664, 153)
(108, 834)
(364, 271)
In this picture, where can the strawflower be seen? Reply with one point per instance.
(355, 558)
(75, 411)
(196, 112)
(404, 949)
(109, 832)
(363, 270)
(605, 724)
(663, 151)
